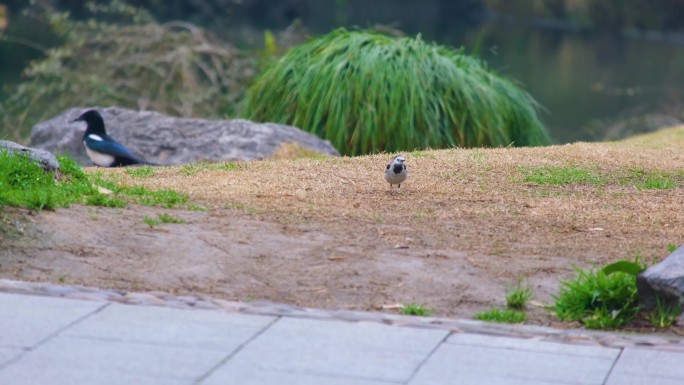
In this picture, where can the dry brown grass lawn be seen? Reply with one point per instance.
(474, 199)
(327, 232)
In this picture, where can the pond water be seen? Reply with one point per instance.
(578, 78)
(581, 78)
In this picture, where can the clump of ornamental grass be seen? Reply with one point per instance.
(368, 92)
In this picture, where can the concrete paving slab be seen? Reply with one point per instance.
(26, 320)
(52, 340)
(467, 364)
(65, 360)
(640, 366)
(641, 380)
(533, 345)
(201, 329)
(359, 351)
(483, 379)
(255, 375)
(7, 354)
(80, 378)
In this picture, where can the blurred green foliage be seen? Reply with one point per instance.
(121, 56)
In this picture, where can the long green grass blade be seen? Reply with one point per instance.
(368, 92)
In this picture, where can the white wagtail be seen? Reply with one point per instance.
(396, 172)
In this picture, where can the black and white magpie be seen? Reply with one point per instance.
(101, 148)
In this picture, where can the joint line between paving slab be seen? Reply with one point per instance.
(51, 336)
(612, 367)
(443, 341)
(327, 374)
(235, 352)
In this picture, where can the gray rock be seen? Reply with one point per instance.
(169, 140)
(44, 158)
(664, 280)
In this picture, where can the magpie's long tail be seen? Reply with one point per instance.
(132, 162)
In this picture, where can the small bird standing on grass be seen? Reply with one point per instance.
(396, 172)
(100, 147)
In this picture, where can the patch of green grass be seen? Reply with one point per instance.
(105, 201)
(142, 196)
(111, 182)
(602, 318)
(650, 179)
(559, 176)
(168, 218)
(227, 166)
(151, 221)
(98, 179)
(134, 191)
(24, 183)
(518, 296)
(671, 247)
(164, 198)
(663, 315)
(138, 194)
(142, 171)
(414, 309)
(191, 169)
(599, 299)
(657, 184)
(502, 316)
(162, 218)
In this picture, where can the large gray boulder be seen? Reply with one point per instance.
(169, 140)
(664, 280)
(44, 158)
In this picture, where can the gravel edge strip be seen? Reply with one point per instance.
(156, 298)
